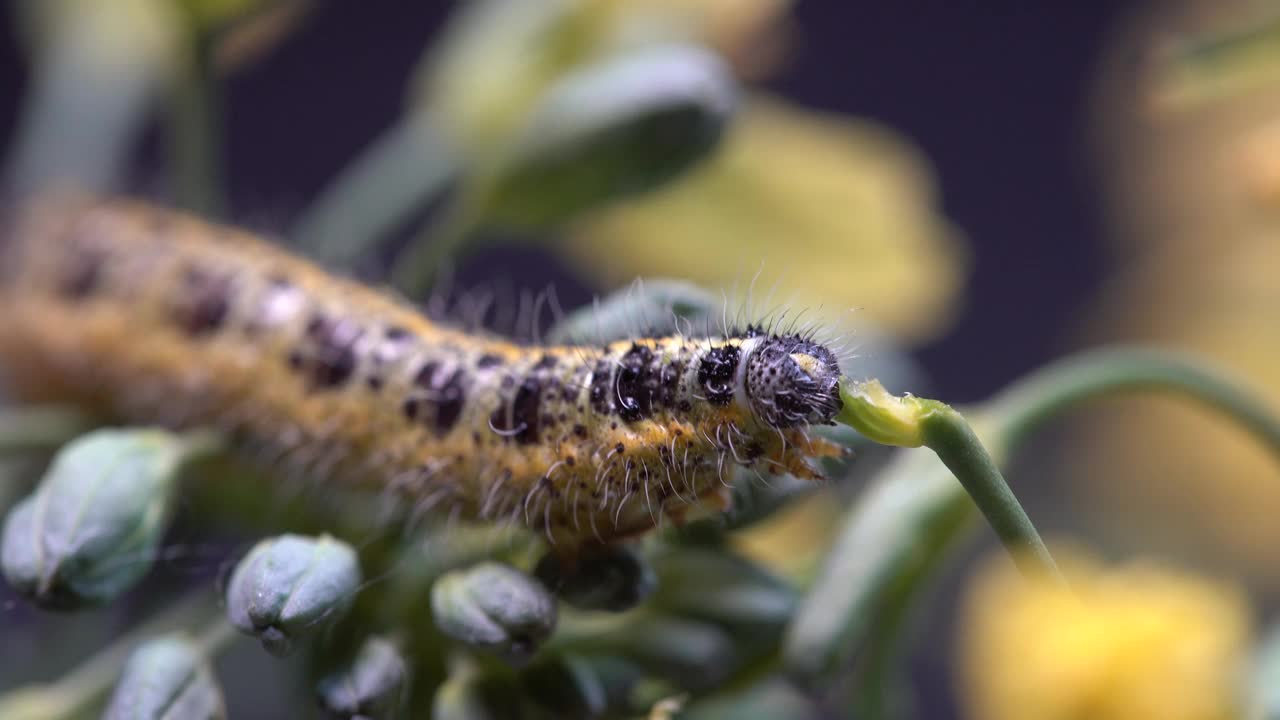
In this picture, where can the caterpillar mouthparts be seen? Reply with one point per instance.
(160, 318)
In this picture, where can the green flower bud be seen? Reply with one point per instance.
(495, 608)
(91, 529)
(166, 678)
(611, 130)
(613, 578)
(372, 687)
(289, 585)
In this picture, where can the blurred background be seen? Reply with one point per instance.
(987, 185)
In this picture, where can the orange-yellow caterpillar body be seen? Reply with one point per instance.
(159, 318)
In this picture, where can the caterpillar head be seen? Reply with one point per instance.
(791, 381)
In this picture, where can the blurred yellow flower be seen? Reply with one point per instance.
(1135, 642)
(1194, 186)
(841, 211)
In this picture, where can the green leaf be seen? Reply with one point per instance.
(714, 585)
(617, 128)
(689, 652)
(395, 175)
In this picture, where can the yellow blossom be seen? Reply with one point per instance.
(1133, 642)
(840, 211)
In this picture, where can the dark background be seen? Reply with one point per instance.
(996, 95)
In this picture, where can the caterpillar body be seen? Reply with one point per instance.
(159, 318)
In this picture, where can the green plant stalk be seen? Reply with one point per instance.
(915, 422)
(949, 435)
(69, 82)
(195, 128)
(402, 170)
(1013, 415)
(1025, 406)
(416, 267)
(40, 429)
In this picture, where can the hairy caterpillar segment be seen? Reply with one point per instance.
(160, 318)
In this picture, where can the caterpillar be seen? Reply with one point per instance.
(155, 317)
